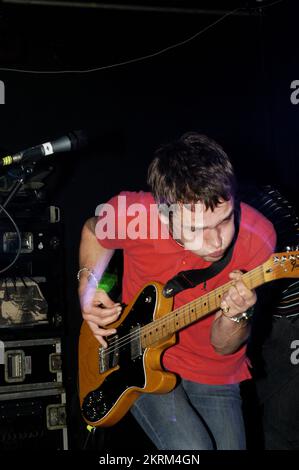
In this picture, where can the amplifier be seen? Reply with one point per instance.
(33, 420)
(32, 364)
(41, 247)
(32, 291)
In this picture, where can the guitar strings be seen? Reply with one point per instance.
(252, 275)
(203, 300)
(126, 339)
(194, 304)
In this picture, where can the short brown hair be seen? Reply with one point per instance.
(191, 169)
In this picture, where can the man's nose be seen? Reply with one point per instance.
(214, 238)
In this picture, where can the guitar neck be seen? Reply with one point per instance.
(194, 310)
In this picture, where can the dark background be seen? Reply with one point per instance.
(232, 82)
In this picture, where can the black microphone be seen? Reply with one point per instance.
(72, 141)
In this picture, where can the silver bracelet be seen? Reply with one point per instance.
(90, 274)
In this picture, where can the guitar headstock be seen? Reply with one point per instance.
(282, 265)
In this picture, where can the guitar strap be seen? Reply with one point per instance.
(192, 277)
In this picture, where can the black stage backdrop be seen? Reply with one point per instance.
(232, 82)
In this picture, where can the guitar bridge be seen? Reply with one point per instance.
(108, 358)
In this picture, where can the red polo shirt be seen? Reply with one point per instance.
(147, 259)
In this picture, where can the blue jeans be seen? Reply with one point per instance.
(193, 416)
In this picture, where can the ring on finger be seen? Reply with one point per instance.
(225, 309)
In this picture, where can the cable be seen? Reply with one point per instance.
(19, 239)
(263, 7)
(130, 61)
(145, 57)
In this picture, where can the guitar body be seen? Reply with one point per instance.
(111, 380)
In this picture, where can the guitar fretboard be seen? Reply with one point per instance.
(191, 312)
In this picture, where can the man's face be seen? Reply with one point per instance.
(205, 232)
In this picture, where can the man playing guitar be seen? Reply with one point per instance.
(194, 176)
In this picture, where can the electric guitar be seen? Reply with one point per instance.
(111, 379)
